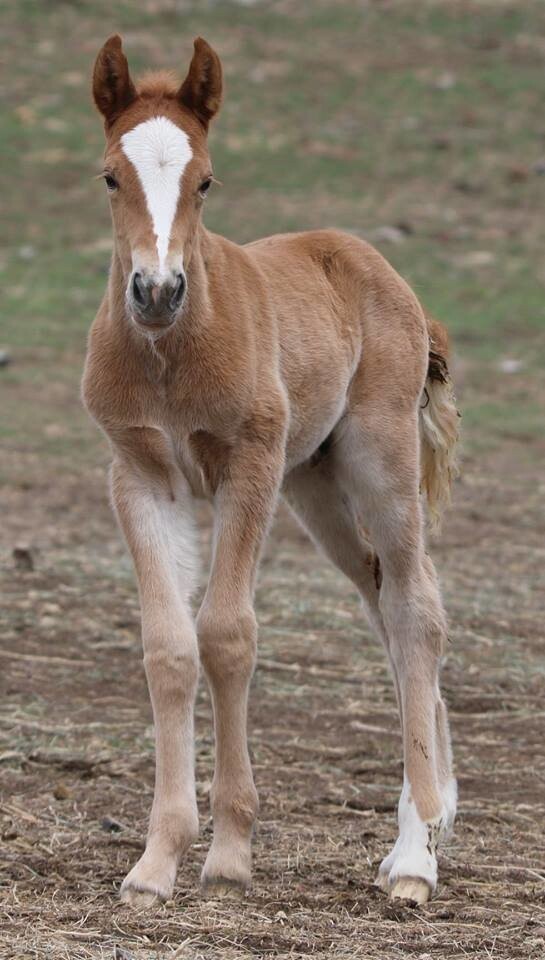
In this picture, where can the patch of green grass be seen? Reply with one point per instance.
(335, 114)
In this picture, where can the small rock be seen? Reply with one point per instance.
(73, 78)
(9, 833)
(476, 258)
(54, 430)
(445, 81)
(46, 48)
(405, 227)
(55, 124)
(488, 42)
(441, 142)
(62, 792)
(121, 954)
(111, 825)
(51, 608)
(469, 117)
(518, 173)
(467, 186)
(48, 622)
(5, 358)
(22, 557)
(388, 234)
(510, 365)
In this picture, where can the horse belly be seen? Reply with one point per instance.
(317, 390)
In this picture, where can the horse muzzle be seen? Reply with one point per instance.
(153, 304)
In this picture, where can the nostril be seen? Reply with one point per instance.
(178, 292)
(139, 290)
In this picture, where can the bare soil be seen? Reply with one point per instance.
(76, 748)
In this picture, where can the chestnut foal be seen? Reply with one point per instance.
(300, 365)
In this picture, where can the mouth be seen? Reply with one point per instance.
(157, 319)
(153, 326)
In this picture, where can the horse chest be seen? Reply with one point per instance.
(202, 457)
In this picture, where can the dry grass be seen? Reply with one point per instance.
(76, 749)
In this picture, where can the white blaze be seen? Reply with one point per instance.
(159, 152)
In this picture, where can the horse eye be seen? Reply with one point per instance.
(205, 186)
(111, 182)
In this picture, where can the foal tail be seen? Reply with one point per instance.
(438, 426)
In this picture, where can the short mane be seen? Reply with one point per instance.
(158, 83)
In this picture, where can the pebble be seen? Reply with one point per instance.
(51, 608)
(62, 792)
(518, 173)
(10, 833)
(510, 365)
(121, 954)
(111, 825)
(388, 234)
(476, 258)
(22, 556)
(445, 81)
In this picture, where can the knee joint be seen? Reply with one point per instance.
(241, 808)
(227, 644)
(172, 670)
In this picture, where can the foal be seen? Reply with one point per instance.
(300, 365)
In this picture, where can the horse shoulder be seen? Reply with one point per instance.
(110, 383)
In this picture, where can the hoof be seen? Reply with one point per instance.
(141, 899)
(227, 871)
(223, 888)
(411, 888)
(148, 884)
(382, 881)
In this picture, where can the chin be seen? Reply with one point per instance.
(154, 331)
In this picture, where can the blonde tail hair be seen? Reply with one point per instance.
(438, 427)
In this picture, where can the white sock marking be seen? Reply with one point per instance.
(159, 152)
(414, 852)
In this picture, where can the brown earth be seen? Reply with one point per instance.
(76, 744)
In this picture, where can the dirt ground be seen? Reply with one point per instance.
(76, 747)
(424, 134)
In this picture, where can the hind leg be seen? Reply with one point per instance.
(379, 463)
(329, 498)
(317, 499)
(315, 496)
(410, 869)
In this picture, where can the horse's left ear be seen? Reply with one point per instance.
(201, 90)
(113, 89)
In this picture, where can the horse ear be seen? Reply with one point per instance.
(201, 90)
(113, 89)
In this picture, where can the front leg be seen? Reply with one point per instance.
(152, 503)
(227, 633)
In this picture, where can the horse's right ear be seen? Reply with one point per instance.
(113, 89)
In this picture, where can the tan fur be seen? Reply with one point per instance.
(297, 364)
(439, 436)
(439, 419)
